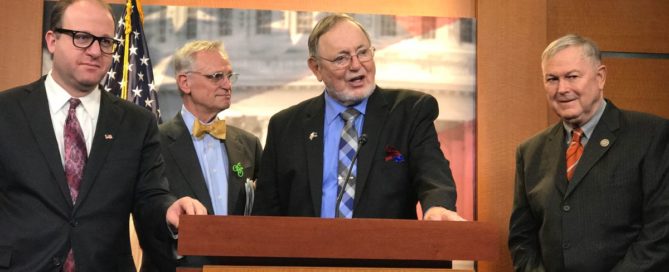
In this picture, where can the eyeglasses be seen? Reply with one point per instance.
(218, 76)
(84, 40)
(344, 60)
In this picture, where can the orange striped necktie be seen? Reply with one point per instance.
(574, 152)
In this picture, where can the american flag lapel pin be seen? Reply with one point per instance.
(109, 137)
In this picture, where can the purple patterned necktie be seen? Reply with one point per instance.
(75, 150)
(75, 159)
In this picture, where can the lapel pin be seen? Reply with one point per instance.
(239, 169)
(109, 137)
(604, 142)
(313, 135)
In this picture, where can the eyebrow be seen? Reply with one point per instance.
(356, 49)
(568, 72)
(89, 33)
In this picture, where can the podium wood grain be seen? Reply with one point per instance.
(347, 243)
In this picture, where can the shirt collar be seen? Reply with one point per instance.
(334, 108)
(59, 98)
(589, 127)
(188, 117)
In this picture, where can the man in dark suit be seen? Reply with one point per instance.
(310, 147)
(592, 192)
(76, 161)
(212, 166)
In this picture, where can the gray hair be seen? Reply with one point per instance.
(327, 23)
(185, 56)
(588, 46)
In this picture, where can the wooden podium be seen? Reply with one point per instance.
(260, 243)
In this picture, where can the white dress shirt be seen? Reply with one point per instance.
(87, 113)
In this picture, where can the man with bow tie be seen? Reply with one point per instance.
(205, 158)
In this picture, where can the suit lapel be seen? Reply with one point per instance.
(235, 155)
(553, 158)
(603, 137)
(36, 110)
(109, 119)
(376, 115)
(180, 147)
(313, 126)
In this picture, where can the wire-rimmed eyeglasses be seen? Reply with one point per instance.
(84, 40)
(344, 60)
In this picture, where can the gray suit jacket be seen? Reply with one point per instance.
(612, 216)
(185, 178)
(123, 175)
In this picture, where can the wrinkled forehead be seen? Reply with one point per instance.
(211, 60)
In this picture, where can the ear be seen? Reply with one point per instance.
(601, 76)
(50, 39)
(314, 67)
(182, 82)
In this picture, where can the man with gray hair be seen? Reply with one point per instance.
(205, 158)
(357, 150)
(592, 191)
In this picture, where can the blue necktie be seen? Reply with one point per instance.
(347, 148)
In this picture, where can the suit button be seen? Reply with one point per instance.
(56, 261)
(74, 223)
(566, 245)
(566, 208)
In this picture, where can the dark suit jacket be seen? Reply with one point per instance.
(185, 179)
(612, 216)
(123, 175)
(291, 175)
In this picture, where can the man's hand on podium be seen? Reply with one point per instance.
(441, 214)
(184, 205)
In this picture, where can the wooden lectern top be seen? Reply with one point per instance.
(301, 238)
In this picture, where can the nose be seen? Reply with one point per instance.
(94, 49)
(225, 83)
(562, 86)
(355, 63)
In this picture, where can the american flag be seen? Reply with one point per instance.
(131, 74)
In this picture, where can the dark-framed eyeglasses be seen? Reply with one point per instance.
(344, 60)
(84, 40)
(218, 76)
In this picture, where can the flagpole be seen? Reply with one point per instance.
(130, 76)
(126, 43)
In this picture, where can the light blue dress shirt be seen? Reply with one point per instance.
(588, 128)
(213, 158)
(332, 127)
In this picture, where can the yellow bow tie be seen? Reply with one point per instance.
(215, 129)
